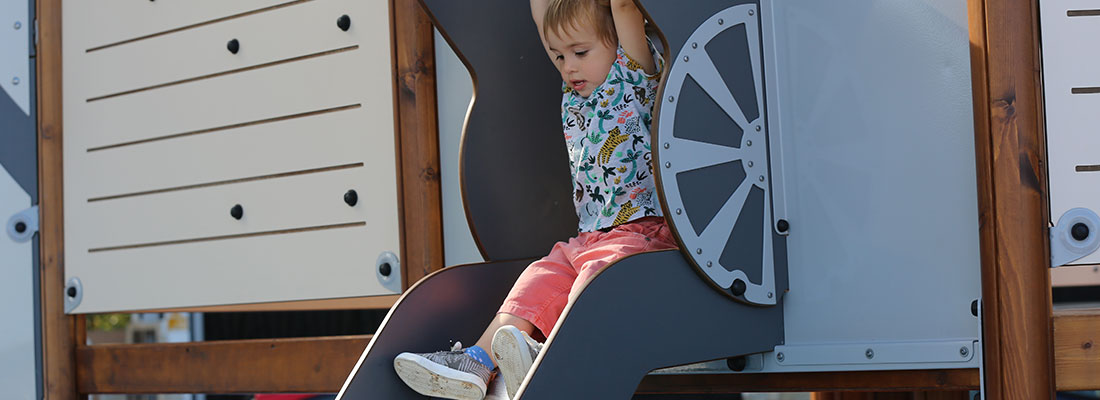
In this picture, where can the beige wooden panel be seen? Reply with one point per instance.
(121, 20)
(303, 86)
(266, 37)
(246, 270)
(1083, 275)
(284, 129)
(251, 151)
(272, 204)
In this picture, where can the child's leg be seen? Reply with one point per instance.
(647, 234)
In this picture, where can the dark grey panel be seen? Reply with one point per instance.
(729, 52)
(18, 142)
(704, 120)
(705, 190)
(456, 303)
(676, 22)
(644, 312)
(515, 170)
(744, 249)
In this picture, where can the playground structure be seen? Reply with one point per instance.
(1008, 208)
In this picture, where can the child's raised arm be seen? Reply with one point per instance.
(538, 13)
(630, 26)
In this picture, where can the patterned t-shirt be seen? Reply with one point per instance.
(607, 135)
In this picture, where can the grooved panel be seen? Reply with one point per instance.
(167, 130)
(1071, 89)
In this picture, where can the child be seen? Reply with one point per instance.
(609, 71)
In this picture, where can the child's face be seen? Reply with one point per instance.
(581, 56)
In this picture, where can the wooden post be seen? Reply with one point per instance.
(1011, 199)
(421, 199)
(59, 331)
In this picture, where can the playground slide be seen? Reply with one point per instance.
(644, 312)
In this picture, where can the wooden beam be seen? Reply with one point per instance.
(350, 303)
(421, 198)
(60, 332)
(953, 379)
(313, 365)
(1012, 191)
(1076, 352)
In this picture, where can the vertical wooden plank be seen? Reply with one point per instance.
(1012, 200)
(418, 141)
(58, 330)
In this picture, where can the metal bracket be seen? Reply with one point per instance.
(388, 271)
(1074, 237)
(23, 225)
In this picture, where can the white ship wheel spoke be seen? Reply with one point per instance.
(707, 76)
(723, 223)
(702, 154)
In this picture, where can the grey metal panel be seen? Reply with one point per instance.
(515, 171)
(456, 303)
(18, 139)
(617, 329)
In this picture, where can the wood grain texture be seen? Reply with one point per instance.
(420, 193)
(59, 331)
(1076, 352)
(1012, 199)
(313, 365)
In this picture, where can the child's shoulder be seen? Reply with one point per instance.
(631, 64)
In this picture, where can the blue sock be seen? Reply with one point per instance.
(480, 355)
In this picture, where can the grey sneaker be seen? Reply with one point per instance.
(446, 374)
(515, 352)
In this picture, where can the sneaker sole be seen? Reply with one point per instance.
(513, 358)
(431, 379)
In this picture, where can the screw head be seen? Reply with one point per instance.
(20, 227)
(15, 80)
(344, 22)
(780, 357)
(699, 250)
(694, 45)
(679, 211)
(761, 178)
(738, 288)
(666, 145)
(17, 25)
(974, 308)
(668, 164)
(685, 58)
(770, 295)
(351, 198)
(752, 12)
(71, 291)
(233, 46)
(385, 269)
(709, 264)
(721, 21)
(236, 212)
(1079, 231)
(869, 354)
(759, 128)
(963, 351)
(782, 225)
(671, 99)
(750, 164)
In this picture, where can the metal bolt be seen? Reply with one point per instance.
(758, 128)
(721, 21)
(17, 25)
(780, 357)
(679, 211)
(671, 98)
(1095, 269)
(709, 264)
(770, 295)
(750, 164)
(666, 145)
(699, 251)
(869, 353)
(15, 80)
(963, 351)
(668, 164)
(694, 45)
(752, 12)
(761, 178)
(685, 58)
(748, 143)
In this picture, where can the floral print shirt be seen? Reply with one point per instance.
(607, 135)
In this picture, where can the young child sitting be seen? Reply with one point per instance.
(609, 71)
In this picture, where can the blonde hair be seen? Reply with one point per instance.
(578, 14)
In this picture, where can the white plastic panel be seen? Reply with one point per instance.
(875, 105)
(17, 376)
(1071, 63)
(302, 114)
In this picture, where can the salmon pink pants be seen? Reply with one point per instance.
(543, 289)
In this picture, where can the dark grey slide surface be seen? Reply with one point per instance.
(644, 312)
(515, 170)
(456, 303)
